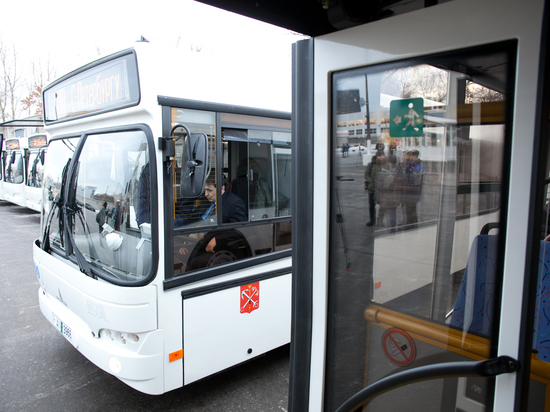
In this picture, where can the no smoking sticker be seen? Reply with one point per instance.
(398, 347)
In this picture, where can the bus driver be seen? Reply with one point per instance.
(233, 210)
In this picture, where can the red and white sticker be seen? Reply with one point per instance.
(398, 347)
(250, 297)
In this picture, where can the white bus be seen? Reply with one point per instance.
(14, 170)
(165, 253)
(1, 167)
(34, 161)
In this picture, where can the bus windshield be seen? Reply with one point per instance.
(109, 203)
(13, 168)
(36, 169)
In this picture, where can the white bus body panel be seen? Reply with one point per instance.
(418, 33)
(217, 335)
(15, 193)
(33, 197)
(92, 308)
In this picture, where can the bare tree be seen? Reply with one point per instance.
(423, 81)
(42, 74)
(431, 82)
(476, 93)
(10, 83)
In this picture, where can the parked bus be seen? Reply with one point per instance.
(34, 161)
(14, 171)
(165, 253)
(442, 304)
(1, 167)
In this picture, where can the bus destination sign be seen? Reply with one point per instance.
(36, 142)
(107, 86)
(12, 144)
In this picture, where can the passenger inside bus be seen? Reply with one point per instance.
(233, 210)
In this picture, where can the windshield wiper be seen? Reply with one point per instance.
(80, 259)
(72, 209)
(56, 204)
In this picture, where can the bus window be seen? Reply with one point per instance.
(432, 192)
(253, 182)
(111, 196)
(192, 212)
(259, 171)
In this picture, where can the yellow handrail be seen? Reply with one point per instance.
(445, 337)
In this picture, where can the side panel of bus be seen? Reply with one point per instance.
(230, 326)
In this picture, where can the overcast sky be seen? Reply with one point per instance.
(70, 33)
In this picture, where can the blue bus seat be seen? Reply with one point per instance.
(541, 327)
(473, 311)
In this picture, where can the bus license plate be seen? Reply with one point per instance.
(63, 328)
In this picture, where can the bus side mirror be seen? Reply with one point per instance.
(194, 163)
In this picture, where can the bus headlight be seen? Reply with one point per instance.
(121, 337)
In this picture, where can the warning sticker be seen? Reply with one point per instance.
(398, 347)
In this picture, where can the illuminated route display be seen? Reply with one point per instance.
(99, 87)
(36, 142)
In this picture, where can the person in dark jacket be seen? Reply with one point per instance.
(413, 186)
(372, 171)
(233, 210)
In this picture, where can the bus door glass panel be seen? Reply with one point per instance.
(60, 154)
(283, 188)
(259, 170)
(539, 384)
(236, 164)
(414, 226)
(260, 175)
(112, 200)
(250, 168)
(282, 165)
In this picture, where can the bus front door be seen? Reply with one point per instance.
(419, 298)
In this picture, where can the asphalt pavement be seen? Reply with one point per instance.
(41, 371)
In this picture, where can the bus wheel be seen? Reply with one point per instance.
(221, 257)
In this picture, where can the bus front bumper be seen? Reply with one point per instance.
(135, 359)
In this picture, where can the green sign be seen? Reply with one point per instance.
(406, 117)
